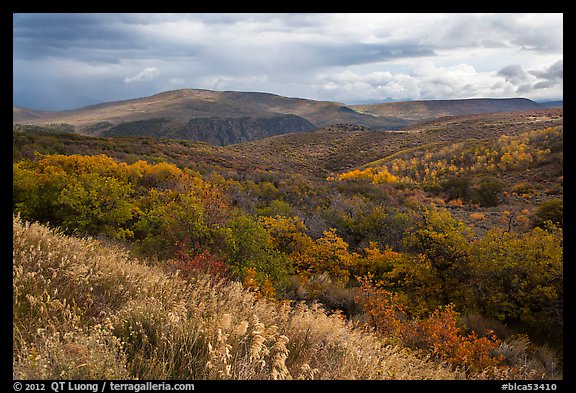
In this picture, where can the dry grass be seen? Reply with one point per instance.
(85, 311)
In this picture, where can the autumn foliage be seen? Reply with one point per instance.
(440, 334)
(189, 264)
(367, 244)
(460, 170)
(163, 210)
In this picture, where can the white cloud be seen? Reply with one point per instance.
(147, 74)
(427, 80)
(422, 81)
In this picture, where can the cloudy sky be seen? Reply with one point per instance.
(64, 61)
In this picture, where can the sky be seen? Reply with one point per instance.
(66, 61)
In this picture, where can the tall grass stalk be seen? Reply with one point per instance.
(87, 311)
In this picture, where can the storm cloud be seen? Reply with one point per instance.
(64, 61)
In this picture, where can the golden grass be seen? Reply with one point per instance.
(86, 311)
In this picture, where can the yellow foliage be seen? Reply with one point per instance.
(377, 175)
(357, 174)
(288, 234)
(383, 177)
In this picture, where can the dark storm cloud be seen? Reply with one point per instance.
(96, 36)
(88, 37)
(514, 74)
(553, 73)
(361, 53)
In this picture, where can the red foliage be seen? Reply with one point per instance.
(188, 262)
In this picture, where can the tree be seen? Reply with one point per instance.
(92, 203)
(249, 246)
(288, 234)
(86, 193)
(456, 187)
(169, 218)
(518, 278)
(35, 193)
(445, 246)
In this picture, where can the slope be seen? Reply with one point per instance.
(227, 117)
(216, 117)
(317, 154)
(423, 110)
(338, 148)
(131, 320)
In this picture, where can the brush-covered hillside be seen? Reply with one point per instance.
(219, 118)
(83, 310)
(343, 253)
(430, 109)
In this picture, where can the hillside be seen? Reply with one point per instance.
(226, 117)
(22, 115)
(444, 239)
(317, 154)
(423, 110)
(340, 147)
(218, 118)
(86, 311)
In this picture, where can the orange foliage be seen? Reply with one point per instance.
(439, 334)
(264, 290)
(388, 314)
(446, 340)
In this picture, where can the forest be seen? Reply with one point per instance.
(437, 260)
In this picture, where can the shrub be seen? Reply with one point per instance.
(141, 322)
(456, 187)
(549, 211)
(487, 192)
(440, 334)
(478, 216)
(523, 188)
(189, 263)
(518, 278)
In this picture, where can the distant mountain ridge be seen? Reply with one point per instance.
(229, 117)
(429, 109)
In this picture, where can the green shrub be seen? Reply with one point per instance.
(487, 192)
(549, 211)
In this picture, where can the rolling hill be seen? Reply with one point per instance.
(288, 221)
(219, 118)
(227, 117)
(424, 110)
(317, 154)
